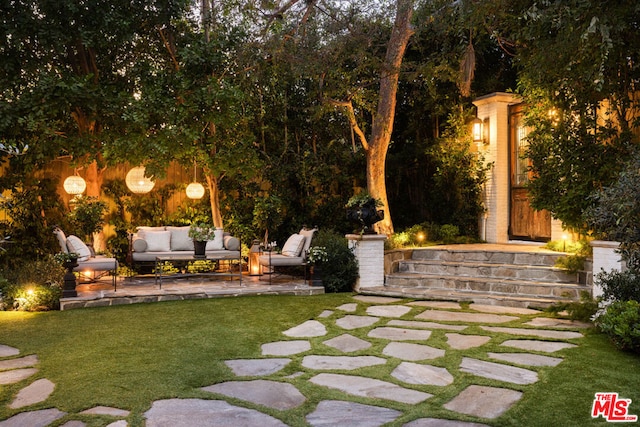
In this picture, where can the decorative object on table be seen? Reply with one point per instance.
(362, 209)
(316, 257)
(201, 233)
(68, 261)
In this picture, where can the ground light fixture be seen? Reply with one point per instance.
(137, 182)
(195, 190)
(255, 269)
(74, 185)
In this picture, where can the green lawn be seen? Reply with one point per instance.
(129, 356)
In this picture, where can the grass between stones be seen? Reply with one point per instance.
(129, 356)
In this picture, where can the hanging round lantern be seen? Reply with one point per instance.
(195, 190)
(74, 185)
(137, 182)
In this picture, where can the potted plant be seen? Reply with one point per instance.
(201, 233)
(88, 217)
(362, 209)
(316, 256)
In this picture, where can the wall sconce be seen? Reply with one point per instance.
(255, 269)
(137, 182)
(195, 190)
(480, 131)
(74, 185)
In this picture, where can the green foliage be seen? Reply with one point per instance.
(340, 271)
(32, 285)
(619, 285)
(87, 217)
(362, 198)
(427, 234)
(621, 323)
(201, 266)
(202, 231)
(30, 213)
(582, 310)
(571, 263)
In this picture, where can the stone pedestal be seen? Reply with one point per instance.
(369, 251)
(605, 258)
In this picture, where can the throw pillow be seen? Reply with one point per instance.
(308, 235)
(217, 244)
(294, 245)
(62, 240)
(180, 240)
(158, 241)
(231, 243)
(74, 244)
(144, 229)
(139, 244)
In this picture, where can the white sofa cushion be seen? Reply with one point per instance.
(158, 241)
(294, 245)
(180, 240)
(75, 245)
(218, 241)
(62, 240)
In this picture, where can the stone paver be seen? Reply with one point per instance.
(347, 343)
(205, 413)
(542, 333)
(376, 300)
(22, 362)
(106, 410)
(16, 375)
(325, 314)
(341, 362)
(498, 371)
(449, 305)
(119, 423)
(388, 310)
(526, 359)
(411, 351)
(369, 387)
(310, 328)
(256, 367)
(36, 392)
(40, 418)
(464, 342)
(349, 307)
(399, 334)
(351, 321)
(558, 323)
(8, 351)
(437, 422)
(484, 402)
(271, 394)
(331, 413)
(74, 423)
(285, 348)
(534, 345)
(425, 325)
(415, 373)
(499, 309)
(449, 316)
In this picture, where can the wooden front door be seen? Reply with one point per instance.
(525, 223)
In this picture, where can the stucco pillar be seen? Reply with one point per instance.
(605, 258)
(493, 109)
(369, 251)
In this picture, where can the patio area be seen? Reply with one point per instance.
(143, 289)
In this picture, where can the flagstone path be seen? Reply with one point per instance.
(402, 343)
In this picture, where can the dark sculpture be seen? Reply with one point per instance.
(365, 215)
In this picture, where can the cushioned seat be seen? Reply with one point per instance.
(294, 252)
(87, 263)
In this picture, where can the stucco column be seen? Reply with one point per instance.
(605, 258)
(369, 251)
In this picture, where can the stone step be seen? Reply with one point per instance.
(478, 269)
(499, 286)
(462, 254)
(440, 294)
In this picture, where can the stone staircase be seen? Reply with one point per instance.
(509, 275)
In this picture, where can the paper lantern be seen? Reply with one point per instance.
(74, 185)
(195, 190)
(137, 182)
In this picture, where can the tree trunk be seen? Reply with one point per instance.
(385, 115)
(94, 177)
(214, 199)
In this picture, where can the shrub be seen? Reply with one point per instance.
(619, 285)
(582, 310)
(340, 272)
(571, 263)
(621, 322)
(32, 285)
